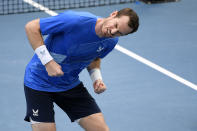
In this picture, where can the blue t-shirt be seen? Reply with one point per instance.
(73, 43)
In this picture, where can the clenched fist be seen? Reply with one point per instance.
(54, 69)
(99, 86)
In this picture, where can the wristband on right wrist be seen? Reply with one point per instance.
(43, 54)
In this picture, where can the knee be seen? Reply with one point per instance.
(103, 128)
(98, 127)
(44, 127)
(94, 122)
(106, 128)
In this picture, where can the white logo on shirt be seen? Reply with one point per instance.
(100, 49)
(35, 113)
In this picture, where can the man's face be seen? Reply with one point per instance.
(115, 26)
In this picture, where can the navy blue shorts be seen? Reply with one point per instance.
(76, 103)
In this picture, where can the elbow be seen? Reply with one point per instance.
(27, 27)
(32, 26)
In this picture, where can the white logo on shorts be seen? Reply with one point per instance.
(35, 113)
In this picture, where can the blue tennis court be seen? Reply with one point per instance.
(139, 97)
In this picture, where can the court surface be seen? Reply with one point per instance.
(139, 98)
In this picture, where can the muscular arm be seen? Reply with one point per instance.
(95, 64)
(32, 29)
(98, 84)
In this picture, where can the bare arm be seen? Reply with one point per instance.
(98, 84)
(95, 64)
(32, 29)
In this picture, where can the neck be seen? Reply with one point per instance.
(98, 26)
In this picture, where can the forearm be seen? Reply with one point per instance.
(32, 29)
(95, 75)
(94, 70)
(35, 39)
(95, 64)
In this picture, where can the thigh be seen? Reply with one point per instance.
(39, 105)
(44, 127)
(94, 122)
(77, 103)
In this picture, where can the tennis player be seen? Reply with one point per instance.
(75, 41)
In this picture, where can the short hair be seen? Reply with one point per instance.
(133, 18)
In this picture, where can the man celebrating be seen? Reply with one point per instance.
(76, 40)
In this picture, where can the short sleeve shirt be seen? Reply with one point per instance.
(73, 44)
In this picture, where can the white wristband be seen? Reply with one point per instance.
(43, 54)
(95, 74)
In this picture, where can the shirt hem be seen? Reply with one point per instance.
(57, 89)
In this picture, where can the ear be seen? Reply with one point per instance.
(113, 14)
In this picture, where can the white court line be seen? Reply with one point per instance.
(127, 52)
(41, 7)
(156, 67)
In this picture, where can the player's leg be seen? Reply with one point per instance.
(40, 111)
(94, 122)
(79, 105)
(43, 127)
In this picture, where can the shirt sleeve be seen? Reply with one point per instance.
(59, 23)
(112, 43)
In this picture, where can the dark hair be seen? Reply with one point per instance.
(133, 18)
